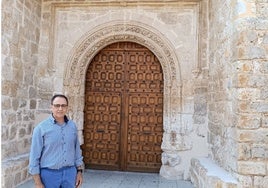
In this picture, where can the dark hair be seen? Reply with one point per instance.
(59, 95)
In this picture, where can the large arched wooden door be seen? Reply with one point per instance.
(123, 124)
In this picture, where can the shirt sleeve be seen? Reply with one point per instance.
(36, 151)
(78, 153)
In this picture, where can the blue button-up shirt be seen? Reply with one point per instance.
(54, 146)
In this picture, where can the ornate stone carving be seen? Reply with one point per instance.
(93, 41)
(126, 32)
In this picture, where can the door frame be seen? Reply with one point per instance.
(153, 68)
(89, 45)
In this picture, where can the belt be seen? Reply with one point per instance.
(62, 168)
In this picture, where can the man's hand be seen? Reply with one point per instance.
(37, 181)
(79, 179)
(39, 186)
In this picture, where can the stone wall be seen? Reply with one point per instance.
(222, 113)
(215, 77)
(69, 35)
(238, 90)
(20, 39)
(250, 66)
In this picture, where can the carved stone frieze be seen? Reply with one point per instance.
(93, 42)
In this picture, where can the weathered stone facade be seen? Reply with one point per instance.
(214, 60)
(19, 60)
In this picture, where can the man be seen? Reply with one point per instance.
(55, 157)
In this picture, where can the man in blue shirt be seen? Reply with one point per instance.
(55, 157)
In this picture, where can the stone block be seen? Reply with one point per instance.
(254, 81)
(170, 168)
(5, 88)
(33, 104)
(214, 182)
(248, 94)
(170, 159)
(12, 132)
(252, 168)
(17, 178)
(244, 181)
(262, 24)
(258, 151)
(215, 128)
(200, 109)
(8, 181)
(176, 142)
(262, 8)
(260, 106)
(251, 52)
(264, 92)
(230, 185)
(249, 121)
(260, 181)
(247, 37)
(211, 175)
(243, 66)
(244, 151)
(254, 136)
(4, 133)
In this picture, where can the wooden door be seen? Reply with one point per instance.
(123, 124)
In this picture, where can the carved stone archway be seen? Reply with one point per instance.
(95, 40)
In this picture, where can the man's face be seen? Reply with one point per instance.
(59, 107)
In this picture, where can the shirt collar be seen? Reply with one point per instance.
(54, 120)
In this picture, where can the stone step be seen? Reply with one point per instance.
(206, 173)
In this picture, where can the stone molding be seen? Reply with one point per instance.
(93, 41)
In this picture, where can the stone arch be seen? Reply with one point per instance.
(95, 40)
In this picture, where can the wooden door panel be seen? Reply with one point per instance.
(144, 96)
(123, 109)
(106, 74)
(102, 127)
(144, 132)
(144, 74)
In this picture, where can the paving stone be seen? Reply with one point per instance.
(116, 179)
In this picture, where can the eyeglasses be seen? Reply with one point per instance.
(60, 105)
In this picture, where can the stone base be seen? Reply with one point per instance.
(15, 171)
(171, 173)
(205, 173)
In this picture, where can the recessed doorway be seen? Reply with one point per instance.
(123, 115)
